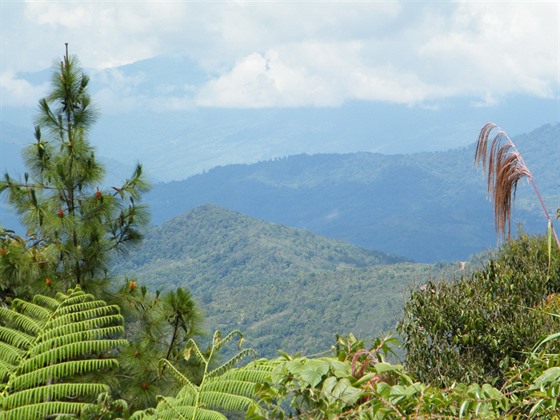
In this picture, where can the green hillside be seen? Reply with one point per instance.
(426, 206)
(285, 288)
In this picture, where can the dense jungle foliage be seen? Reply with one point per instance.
(284, 288)
(75, 345)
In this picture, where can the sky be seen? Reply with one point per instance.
(265, 54)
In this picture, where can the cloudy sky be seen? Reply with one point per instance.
(292, 53)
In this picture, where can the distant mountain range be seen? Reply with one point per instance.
(149, 113)
(425, 206)
(285, 288)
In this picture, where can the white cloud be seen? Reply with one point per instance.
(266, 81)
(125, 93)
(500, 48)
(265, 54)
(18, 92)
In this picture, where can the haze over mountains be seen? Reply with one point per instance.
(426, 206)
(149, 113)
(315, 168)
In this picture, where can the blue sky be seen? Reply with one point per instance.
(298, 54)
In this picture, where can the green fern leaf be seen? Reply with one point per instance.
(225, 388)
(46, 345)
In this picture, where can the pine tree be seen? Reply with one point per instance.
(73, 225)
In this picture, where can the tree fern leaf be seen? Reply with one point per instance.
(51, 392)
(180, 377)
(230, 386)
(77, 296)
(191, 345)
(42, 410)
(5, 369)
(173, 408)
(10, 354)
(253, 372)
(150, 413)
(69, 351)
(90, 314)
(61, 370)
(189, 412)
(73, 337)
(226, 401)
(83, 306)
(231, 362)
(218, 341)
(46, 302)
(14, 337)
(21, 321)
(30, 309)
(88, 324)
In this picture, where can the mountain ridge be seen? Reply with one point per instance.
(429, 206)
(285, 288)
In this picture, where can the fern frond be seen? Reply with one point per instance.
(191, 345)
(69, 351)
(218, 341)
(231, 386)
(14, 337)
(93, 314)
(60, 391)
(10, 354)
(86, 325)
(183, 380)
(231, 362)
(84, 306)
(92, 334)
(172, 408)
(21, 321)
(76, 297)
(5, 369)
(257, 371)
(50, 343)
(46, 302)
(30, 309)
(225, 388)
(226, 401)
(149, 413)
(61, 370)
(42, 410)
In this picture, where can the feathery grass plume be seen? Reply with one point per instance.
(505, 168)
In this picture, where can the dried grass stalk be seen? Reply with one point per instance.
(505, 167)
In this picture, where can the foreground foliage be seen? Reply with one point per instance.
(49, 346)
(475, 328)
(73, 224)
(223, 388)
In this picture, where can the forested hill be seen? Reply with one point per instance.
(285, 288)
(426, 206)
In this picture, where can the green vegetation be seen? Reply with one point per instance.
(72, 225)
(284, 288)
(482, 346)
(225, 388)
(474, 329)
(55, 353)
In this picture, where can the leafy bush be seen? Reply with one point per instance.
(473, 329)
